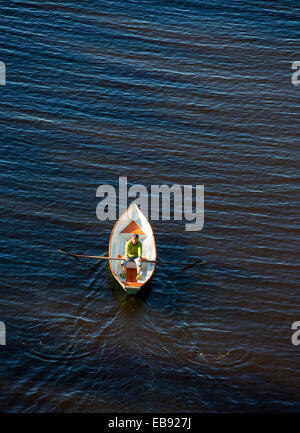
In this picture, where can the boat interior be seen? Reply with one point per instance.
(131, 272)
(133, 224)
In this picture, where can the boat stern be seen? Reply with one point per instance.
(132, 287)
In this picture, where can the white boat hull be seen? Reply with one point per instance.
(130, 222)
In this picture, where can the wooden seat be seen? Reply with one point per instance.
(133, 228)
(130, 272)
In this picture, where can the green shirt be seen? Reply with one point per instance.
(133, 250)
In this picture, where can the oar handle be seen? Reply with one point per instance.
(90, 257)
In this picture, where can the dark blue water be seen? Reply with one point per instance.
(163, 92)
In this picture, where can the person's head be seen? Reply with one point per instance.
(134, 239)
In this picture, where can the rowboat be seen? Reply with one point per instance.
(132, 221)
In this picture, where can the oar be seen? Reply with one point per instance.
(100, 257)
(89, 257)
(188, 265)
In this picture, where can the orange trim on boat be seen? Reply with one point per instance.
(132, 284)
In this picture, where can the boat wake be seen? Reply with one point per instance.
(49, 344)
(228, 359)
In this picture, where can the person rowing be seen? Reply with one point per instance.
(133, 253)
